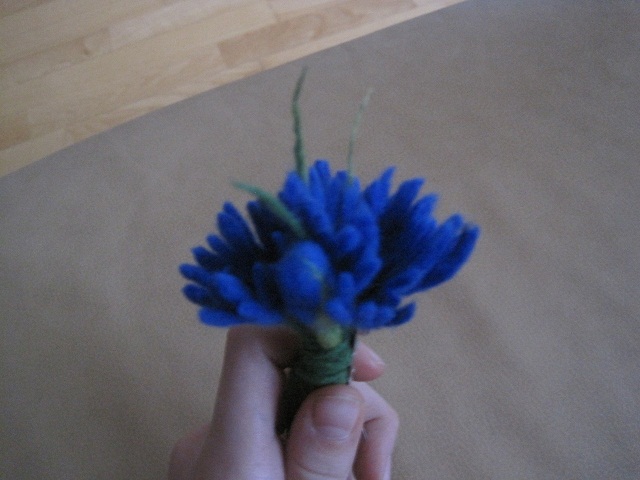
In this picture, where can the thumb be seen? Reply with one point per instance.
(324, 436)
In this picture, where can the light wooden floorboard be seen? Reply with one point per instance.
(70, 69)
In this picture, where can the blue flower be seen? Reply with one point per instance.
(338, 252)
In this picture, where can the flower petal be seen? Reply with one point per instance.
(220, 246)
(319, 179)
(301, 276)
(365, 270)
(231, 288)
(377, 193)
(197, 295)
(265, 223)
(403, 315)
(255, 312)
(338, 312)
(219, 318)
(347, 240)
(449, 266)
(196, 274)
(207, 259)
(399, 205)
(366, 314)
(234, 229)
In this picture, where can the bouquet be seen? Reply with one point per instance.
(326, 257)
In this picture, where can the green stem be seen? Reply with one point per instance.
(354, 130)
(315, 367)
(298, 147)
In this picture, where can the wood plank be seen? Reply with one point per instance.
(125, 32)
(74, 68)
(342, 36)
(121, 77)
(31, 30)
(307, 27)
(23, 154)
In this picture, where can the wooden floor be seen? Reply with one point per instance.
(73, 68)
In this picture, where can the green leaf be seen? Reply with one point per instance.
(354, 130)
(276, 206)
(298, 147)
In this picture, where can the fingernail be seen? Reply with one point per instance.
(371, 353)
(376, 358)
(334, 417)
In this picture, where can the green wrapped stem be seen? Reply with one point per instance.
(315, 367)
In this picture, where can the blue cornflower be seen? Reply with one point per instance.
(339, 252)
(328, 258)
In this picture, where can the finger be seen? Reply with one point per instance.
(367, 365)
(185, 454)
(246, 403)
(325, 433)
(373, 459)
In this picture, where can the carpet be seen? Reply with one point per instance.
(524, 116)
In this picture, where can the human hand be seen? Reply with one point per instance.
(340, 431)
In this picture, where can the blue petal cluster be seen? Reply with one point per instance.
(360, 252)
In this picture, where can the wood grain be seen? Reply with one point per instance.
(70, 69)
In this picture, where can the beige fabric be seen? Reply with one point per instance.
(523, 115)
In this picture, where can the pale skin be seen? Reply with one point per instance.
(341, 432)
